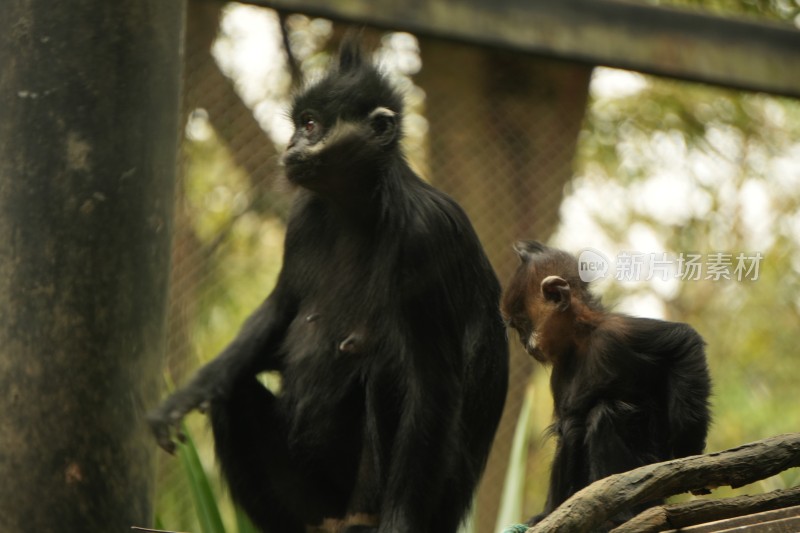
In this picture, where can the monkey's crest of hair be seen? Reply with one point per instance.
(351, 54)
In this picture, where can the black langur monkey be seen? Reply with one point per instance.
(384, 326)
(627, 391)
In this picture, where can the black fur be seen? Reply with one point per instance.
(384, 326)
(627, 391)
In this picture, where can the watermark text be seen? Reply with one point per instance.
(683, 266)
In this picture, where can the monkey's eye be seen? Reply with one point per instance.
(308, 123)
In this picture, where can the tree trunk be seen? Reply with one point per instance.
(88, 136)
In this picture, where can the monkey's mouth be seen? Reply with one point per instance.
(300, 170)
(532, 347)
(529, 341)
(533, 351)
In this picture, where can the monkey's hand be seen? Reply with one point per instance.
(165, 421)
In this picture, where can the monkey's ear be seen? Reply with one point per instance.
(556, 289)
(384, 124)
(527, 249)
(351, 55)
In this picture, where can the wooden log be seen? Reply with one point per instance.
(692, 45)
(682, 515)
(594, 505)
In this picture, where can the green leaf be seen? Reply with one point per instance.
(514, 487)
(205, 503)
(243, 523)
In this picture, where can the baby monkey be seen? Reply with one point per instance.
(627, 391)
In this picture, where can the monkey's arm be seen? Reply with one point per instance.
(688, 388)
(681, 351)
(253, 350)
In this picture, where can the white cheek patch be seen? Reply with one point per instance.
(315, 149)
(533, 342)
(341, 130)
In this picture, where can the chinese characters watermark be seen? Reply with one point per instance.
(684, 266)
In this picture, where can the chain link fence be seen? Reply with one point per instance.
(503, 133)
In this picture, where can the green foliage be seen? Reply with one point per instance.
(240, 249)
(204, 497)
(233, 254)
(678, 167)
(511, 504)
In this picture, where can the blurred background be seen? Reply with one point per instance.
(533, 148)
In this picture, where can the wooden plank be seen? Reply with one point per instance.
(743, 54)
(696, 512)
(786, 525)
(777, 519)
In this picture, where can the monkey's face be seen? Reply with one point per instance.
(538, 302)
(345, 126)
(522, 312)
(335, 153)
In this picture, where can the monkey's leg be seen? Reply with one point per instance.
(250, 434)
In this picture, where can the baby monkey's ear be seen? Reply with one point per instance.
(556, 289)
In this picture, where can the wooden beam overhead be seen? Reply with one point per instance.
(743, 54)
